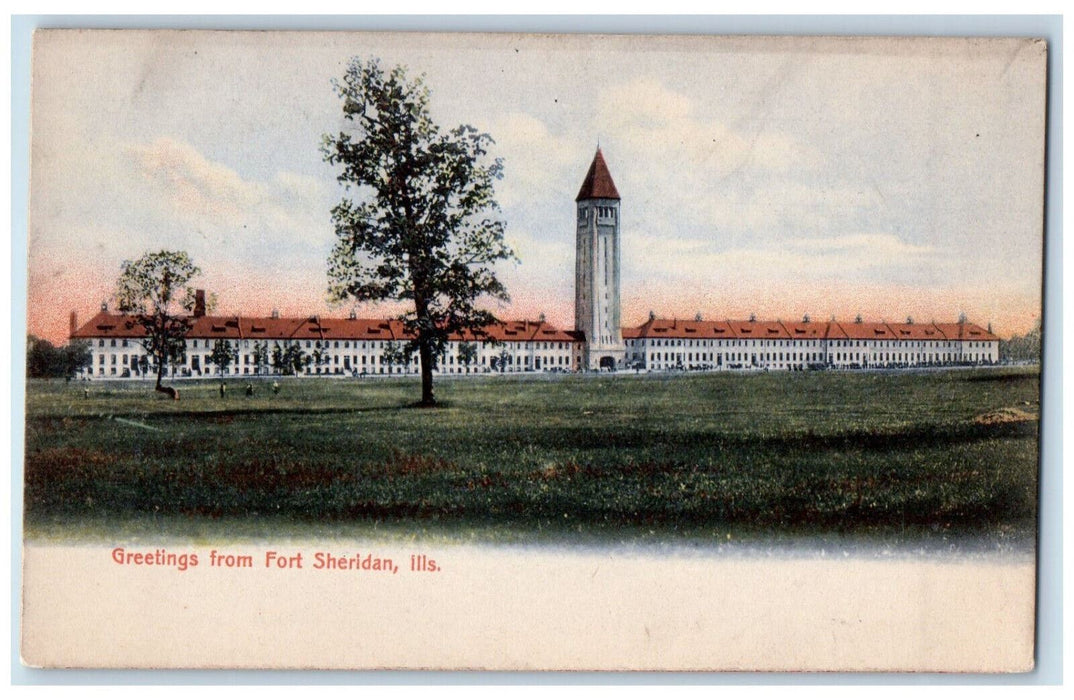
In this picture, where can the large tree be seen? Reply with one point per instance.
(423, 227)
(154, 290)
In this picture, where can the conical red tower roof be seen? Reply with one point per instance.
(598, 181)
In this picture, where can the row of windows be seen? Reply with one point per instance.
(810, 357)
(511, 355)
(602, 212)
(691, 342)
(450, 359)
(376, 365)
(250, 359)
(734, 357)
(657, 342)
(372, 344)
(660, 360)
(132, 359)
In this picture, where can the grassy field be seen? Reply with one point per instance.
(898, 454)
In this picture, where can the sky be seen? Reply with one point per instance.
(887, 178)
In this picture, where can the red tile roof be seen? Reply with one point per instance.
(271, 328)
(598, 181)
(215, 327)
(867, 331)
(351, 329)
(675, 328)
(529, 331)
(807, 330)
(106, 325)
(964, 331)
(832, 330)
(764, 330)
(916, 331)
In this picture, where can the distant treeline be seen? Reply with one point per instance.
(1022, 348)
(43, 359)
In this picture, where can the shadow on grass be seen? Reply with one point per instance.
(1003, 378)
(215, 414)
(911, 438)
(629, 437)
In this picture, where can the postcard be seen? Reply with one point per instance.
(533, 352)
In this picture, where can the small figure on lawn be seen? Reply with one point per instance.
(275, 387)
(223, 389)
(249, 389)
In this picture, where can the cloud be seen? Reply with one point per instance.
(687, 172)
(664, 127)
(883, 246)
(195, 186)
(533, 157)
(212, 198)
(694, 260)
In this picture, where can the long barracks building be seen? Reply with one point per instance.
(362, 347)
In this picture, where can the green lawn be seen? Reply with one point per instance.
(701, 455)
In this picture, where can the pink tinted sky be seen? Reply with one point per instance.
(887, 178)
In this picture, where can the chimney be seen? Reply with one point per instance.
(104, 306)
(199, 303)
(74, 325)
(275, 313)
(541, 317)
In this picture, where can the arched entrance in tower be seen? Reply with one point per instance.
(607, 362)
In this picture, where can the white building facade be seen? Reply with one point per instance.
(313, 346)
(673, 344)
